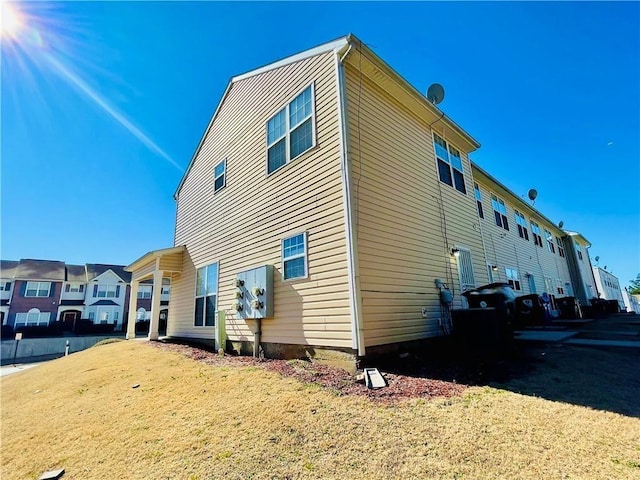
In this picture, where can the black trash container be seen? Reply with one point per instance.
(501, 297)
(569, 308)
(598, 307)
(612, 306)
(530, 310)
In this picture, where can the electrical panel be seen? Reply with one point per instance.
(254, 293)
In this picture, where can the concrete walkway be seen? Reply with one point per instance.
(9, 369)
(543, 335)
(603, 343)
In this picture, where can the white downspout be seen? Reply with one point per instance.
(355, 298)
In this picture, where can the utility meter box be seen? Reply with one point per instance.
(254, 293)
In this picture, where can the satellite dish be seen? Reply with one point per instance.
(435, 93)
(597, 259)
(561, 224)
(533, 194)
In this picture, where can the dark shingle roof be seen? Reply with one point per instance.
(8, 268)
(30, 269)
(76, 273)
(104, 302)
(96, 269)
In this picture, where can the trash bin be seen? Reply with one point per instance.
(530, 310)
(569, 308)
(499, 296)
(612, 306)
(598, 307)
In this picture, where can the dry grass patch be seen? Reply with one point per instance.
(190, 420)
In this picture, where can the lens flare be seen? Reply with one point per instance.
(11, 22)
(34, 42)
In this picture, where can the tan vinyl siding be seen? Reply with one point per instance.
(171, 262)
(506, 248)
(242, 225)
(145, 270)
(398, 215)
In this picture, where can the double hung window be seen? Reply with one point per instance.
(550, 245)
(537, 234)
(38, 289)
(522, 225)
(291, 131)
(206, 295)
(449, 164)
(294, 256)
(513, 279)
(500, 212)
(476, 192)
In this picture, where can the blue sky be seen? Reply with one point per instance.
(102, 109)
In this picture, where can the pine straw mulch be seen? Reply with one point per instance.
(337, 380)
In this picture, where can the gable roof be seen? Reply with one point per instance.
(339, 45)
(76, 273)
(30, 269)
(96, 269)
(8, 268)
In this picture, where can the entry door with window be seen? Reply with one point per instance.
(465, 272)
(532, 284)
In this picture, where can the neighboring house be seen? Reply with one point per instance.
(608, 286)
(522, 246)
(37, 285)
(7, 278)
(631, 302)
(324, 204)
(39, 292)
(580, 269)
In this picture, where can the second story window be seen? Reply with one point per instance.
(449, 164)
(522, 225)
(219, 175)
(38, 289)
(560, 246)
(74, 288)
(166, 290)
(5, 286)
(290, 132)
(144, 291)
(500, 212)
(537, 234)
(578, 250)
(550, 245)
(106, 291)
(476, 192)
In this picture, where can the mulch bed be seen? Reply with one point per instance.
(335, 379)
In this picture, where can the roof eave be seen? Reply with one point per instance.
(152, 255)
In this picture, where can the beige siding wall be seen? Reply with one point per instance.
(400, 209)
(145, 270)
(242, 225)
(506, 249)
(171, 262)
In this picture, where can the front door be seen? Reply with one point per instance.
(465, 273)
(532, 284)
(69, 318)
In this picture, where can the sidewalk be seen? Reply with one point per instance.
(9, 369)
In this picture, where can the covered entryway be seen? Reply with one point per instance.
(69, 318)
(156, 265)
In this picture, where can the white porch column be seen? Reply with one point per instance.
(155, 305)
(133, 304)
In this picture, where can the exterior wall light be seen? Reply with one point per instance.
(455, 252)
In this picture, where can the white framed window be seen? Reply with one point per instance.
(144, 291)
(578, 250)
(141, 314)
(560, 246)
(37, 289)
(294, 256)
(92, 316)
(116, 316)
(513, 279)
(32, 319)
(559, 286)
(478, 195)
(499, 212)
(166, 290)
(550, 245)
(548, 284)
(219, 175)
(103, 315)
(449, 161)
(74, 288)
(106, 291)
(521, 222)
(5, 286)
(206, 296)
(291, 131)
(537, 234)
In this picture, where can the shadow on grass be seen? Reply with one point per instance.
(602, 379)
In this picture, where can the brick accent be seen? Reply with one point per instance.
(22, 304)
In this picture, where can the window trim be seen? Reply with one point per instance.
(196, 296)
(304, 255)
(478, 196)
(503, 216)
(142, 290)
(449, 163)
(549, 238)
(224, 175)
(287, 134)
(523, 229)
(107, 288)
(537, 237)
(517, 283)
(32, 311)
(560, 246)
(37, 289)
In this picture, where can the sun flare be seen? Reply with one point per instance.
(11, 20)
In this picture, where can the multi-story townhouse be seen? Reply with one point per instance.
(328, 206)
(580, 268)
(608, 286)
(40, 292)
(522, 246)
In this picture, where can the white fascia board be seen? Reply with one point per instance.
(319, 50)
